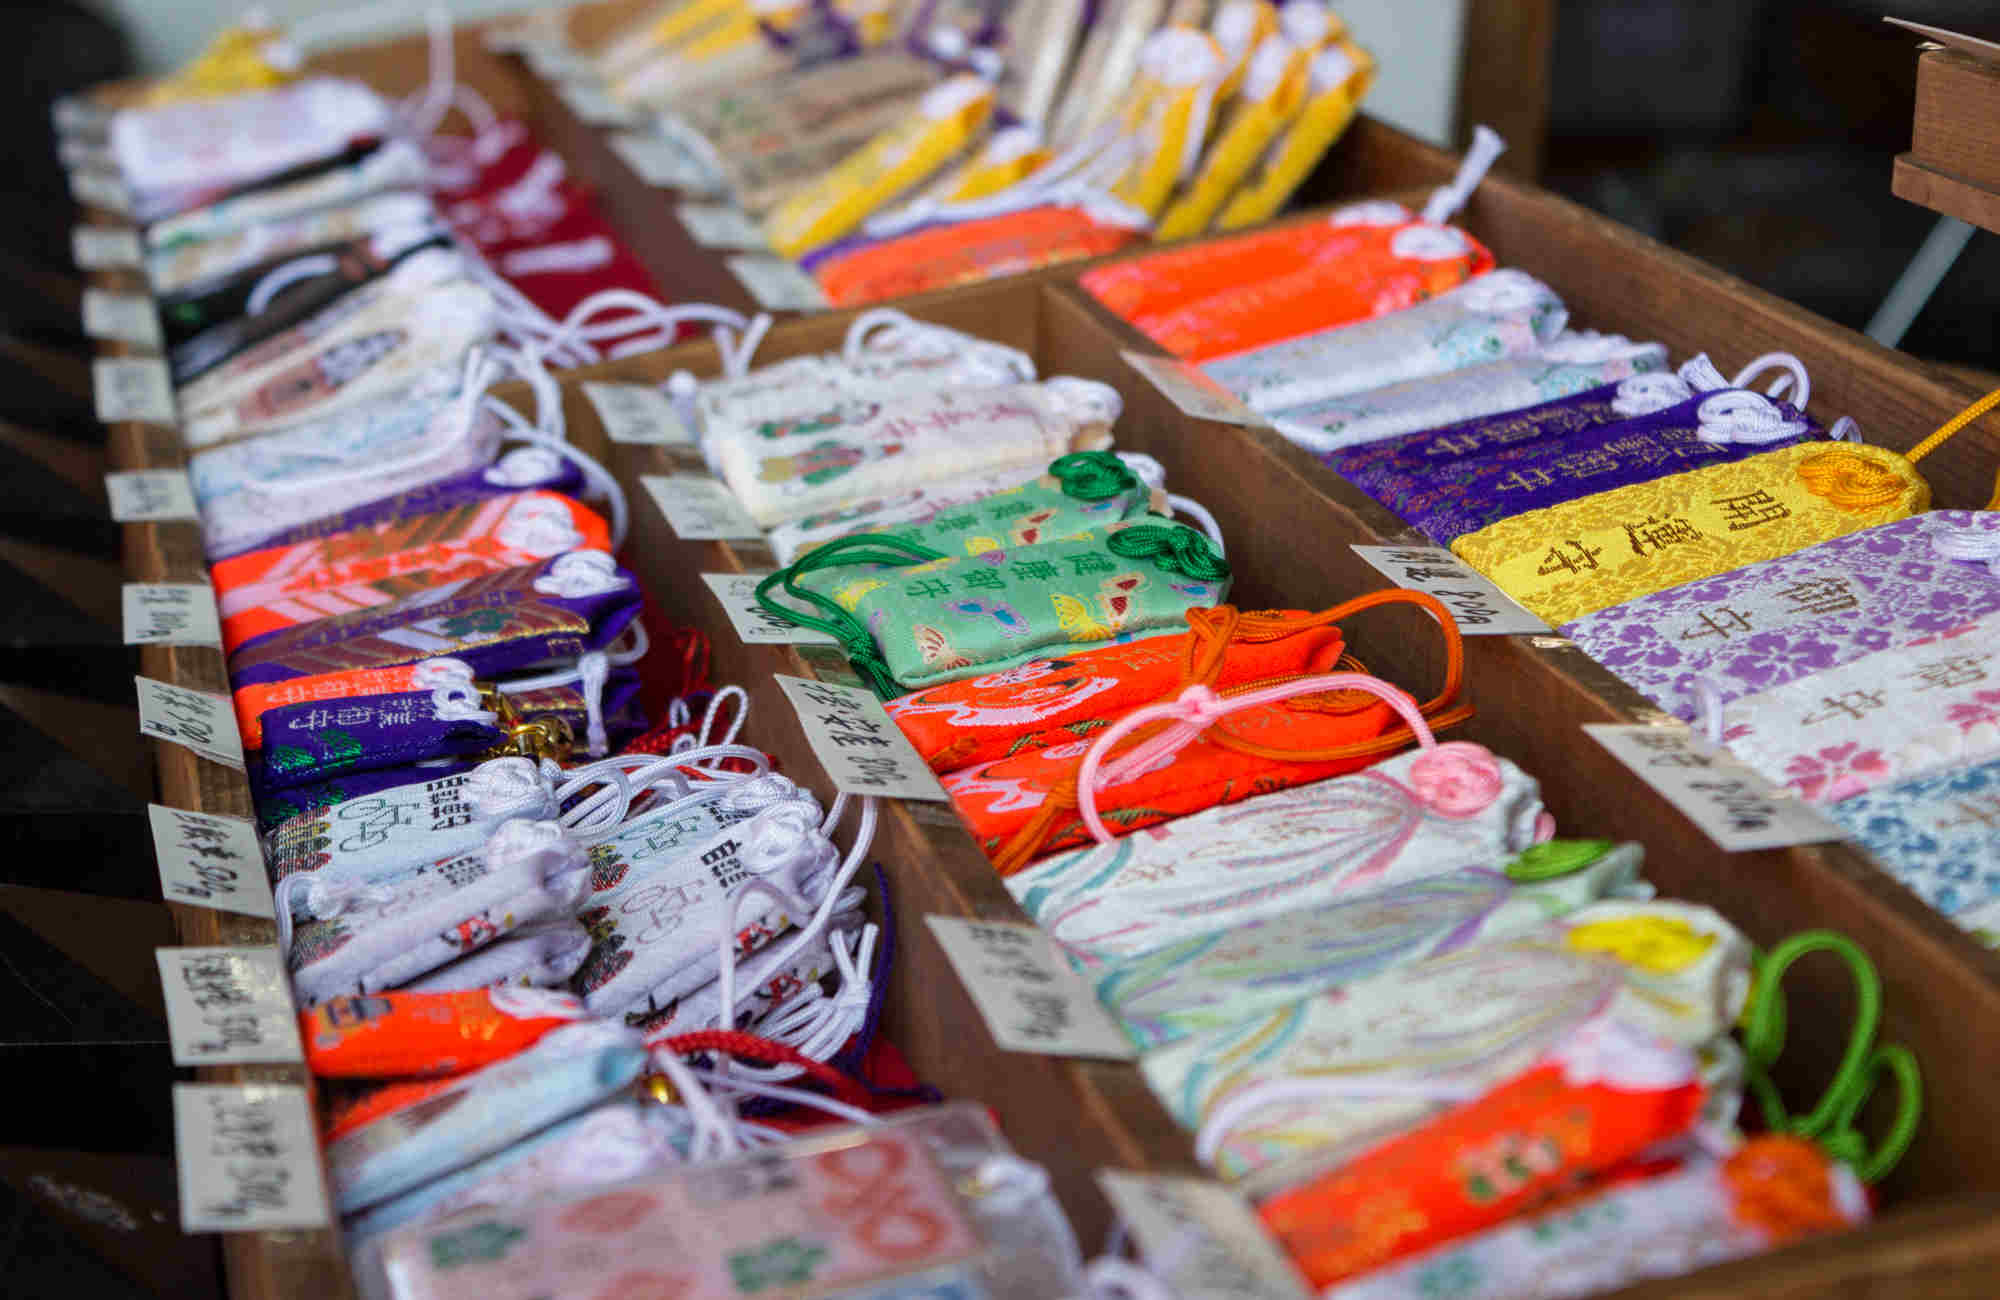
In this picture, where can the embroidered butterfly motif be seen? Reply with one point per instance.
(1029, 530)
(1075, 618)
(849, 596)
(1114, 608)
(935, 647)
(1010, 621)
(1115, 596)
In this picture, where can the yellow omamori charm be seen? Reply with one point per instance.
(1568, 560)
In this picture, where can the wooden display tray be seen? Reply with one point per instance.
(1533, 693)
(1953, 165)
(1941, 192)
(1939, 1238)
(1957, 124)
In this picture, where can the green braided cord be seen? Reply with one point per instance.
(1831, 1121)
(1768, 1101)
(1092, 475)
(857, 548)
(854, 639)
(1554, 858)
(1845, 1142)
(1763, 1035)
(1175, 549)
(847, 632)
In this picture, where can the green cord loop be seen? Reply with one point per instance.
(1092, 475)
(1174, 548)
(1831, 1121)
(1553, 858)
(855, 640)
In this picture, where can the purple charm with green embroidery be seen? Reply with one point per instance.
(304, 743)
(276, 807)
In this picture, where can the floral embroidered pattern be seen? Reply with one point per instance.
(1928, 706)
(1835, 772)
(1819, 608)
(1939, 835)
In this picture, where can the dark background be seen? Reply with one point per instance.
(1758, 135)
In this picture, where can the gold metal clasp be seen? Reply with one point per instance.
(536, 738)
(542, 738)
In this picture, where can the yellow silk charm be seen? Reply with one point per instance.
(1187, 66)
(1572, 559)
(659, 35)
(1338, 77)
(1273, 93)
(239, 60)
(949, 117)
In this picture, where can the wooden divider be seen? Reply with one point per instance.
(258, 1265)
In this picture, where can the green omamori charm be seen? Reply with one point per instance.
(911, 616)
(1079, 493)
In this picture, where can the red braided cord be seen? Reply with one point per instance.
(738, 1043)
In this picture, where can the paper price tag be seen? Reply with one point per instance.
(1732, 803)
(557, 63)
(132, 388)
(78, 154)
(754, 624)
(637, 413)
(857, 742)
(122, 317)
(248, 1157)
(171, 613)
(145, 496)
(524, 38)
(204, 723)
(722, 225)
(593, 104)
(775, 283)
(1201, 1238)
(72, 115)
(1193, 392)
(661, 162)
(101, 189)
(105, 248)
(508, 40)
(700, 509)
(229, 1006)
(697, 147)
(1026, 992)
(1481, 608)
(211, 861)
